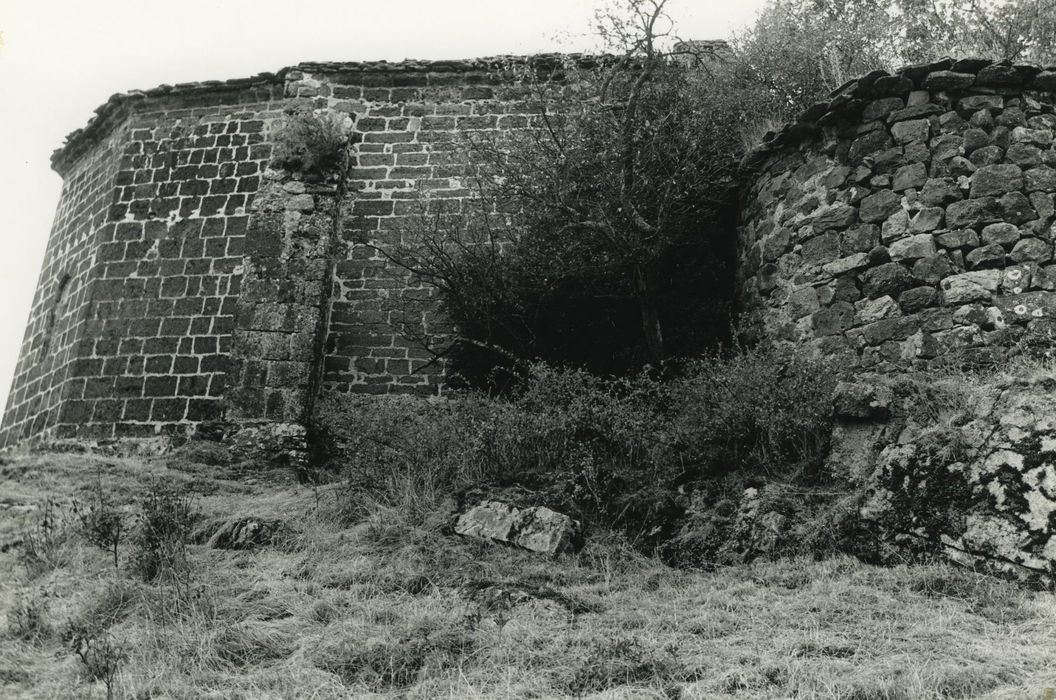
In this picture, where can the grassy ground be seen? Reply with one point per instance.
(375, 609)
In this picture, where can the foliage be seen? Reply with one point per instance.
(100, 654)
(44, 543)
(602, 235)
(100, 523)
(756, 411)
(624, 661)
(622, 452)
(27, 619)
(159, 542)
(309, 143)
(799, 50)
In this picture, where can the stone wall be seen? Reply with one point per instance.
(409, 127)
(56, 332)
(908, 220)
(188, 282)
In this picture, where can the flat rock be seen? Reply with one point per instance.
(536, 528)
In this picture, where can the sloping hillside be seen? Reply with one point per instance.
(372, 608)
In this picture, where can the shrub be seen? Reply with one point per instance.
(309, 143)
(622, 453)
(159, 542)
(100, 654)
(100, 523)
(755, 411)
(27, 618)
(44, 543)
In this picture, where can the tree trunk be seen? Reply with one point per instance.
(651, 331)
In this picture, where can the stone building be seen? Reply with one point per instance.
(185, 282)
(904, 222)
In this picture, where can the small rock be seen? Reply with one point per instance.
(913, 247)
(996, 179)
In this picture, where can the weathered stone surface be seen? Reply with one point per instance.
(861, 400)
(859, 239)
(877, 207)
(932, 268)
(857, 261)
(989, 155)
(912, 130)
(986, 257)
(872, 310)
(836, 217)
(833, 319)
(1016, 208)
(888, 329)
(971, 213)
(993, 507)
(927, 219)
(961, 238)
(803, 301)
(867, 145)
(895, 226)
(918, 298)
(938, 192)
(821, 249)
(913, 247)
(1024, 155)
(888, 279)
(996, 179)
(993, 103)
(536, 528)
(970, 286)
(914, 112)
(947, 80)
(1038, 137)
(998, 75)
(1001, 234)
(974, 139)
(1040, 179)
(878, 109)
(913, 175)
(1031, 250)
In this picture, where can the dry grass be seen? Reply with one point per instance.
(377, 609)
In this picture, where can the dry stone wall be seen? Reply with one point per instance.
(908, 221)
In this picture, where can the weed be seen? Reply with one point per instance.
(27, 618)
(623, 661)
(44, 543)
(310, 143)
(100, 523)
(115, 603)
(392, 665)
(100, 654)
(159, 543)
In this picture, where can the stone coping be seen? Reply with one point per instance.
(957, 76)
(377, 73)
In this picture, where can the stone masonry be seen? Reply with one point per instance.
(190, 283)
(186, 282)
(908, 220)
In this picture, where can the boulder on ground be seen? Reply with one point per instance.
(536, 528)
(239, 533)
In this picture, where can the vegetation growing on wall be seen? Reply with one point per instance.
(602, 237)
(603, 234)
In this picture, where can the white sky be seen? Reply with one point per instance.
(59, 60)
